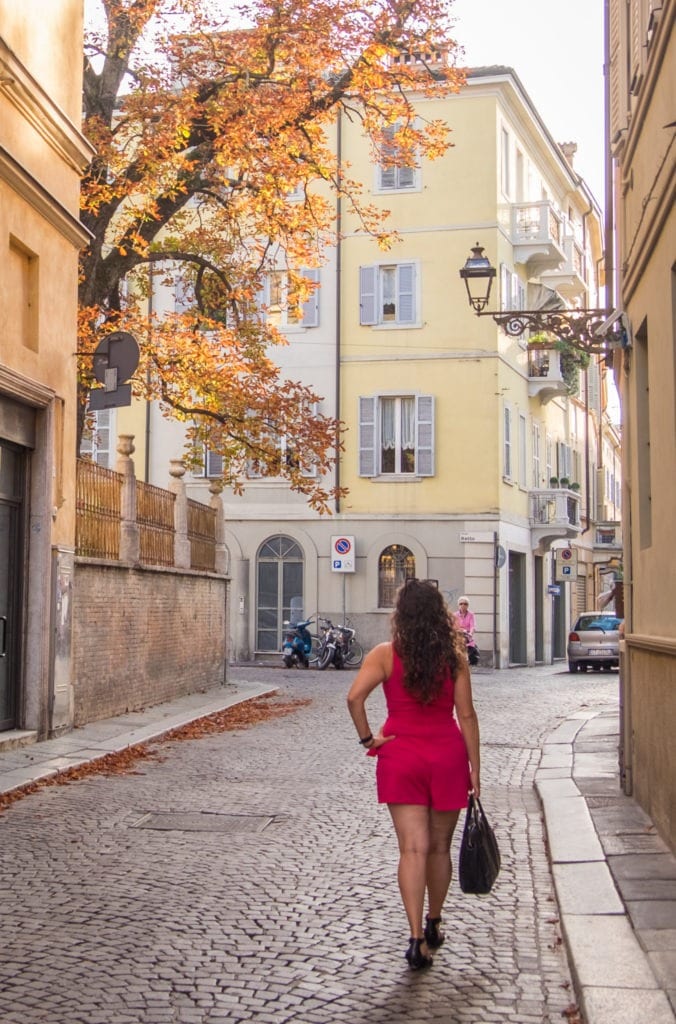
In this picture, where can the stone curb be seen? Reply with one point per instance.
(20, 766)
(612, 975)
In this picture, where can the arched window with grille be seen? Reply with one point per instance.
(396, 564)
(279, 574)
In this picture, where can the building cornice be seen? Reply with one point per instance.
(39, 110)
(23, 389)
(19, 179)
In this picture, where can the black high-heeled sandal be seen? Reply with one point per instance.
(433, 936)
(415, 956)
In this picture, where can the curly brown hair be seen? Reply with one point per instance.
(425, 638)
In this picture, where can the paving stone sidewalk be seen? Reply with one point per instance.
(615, 879)
(250, 876)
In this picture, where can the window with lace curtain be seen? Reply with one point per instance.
(396, 435)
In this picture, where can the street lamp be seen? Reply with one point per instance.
(589, 330)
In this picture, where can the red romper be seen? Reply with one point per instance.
(427, 761)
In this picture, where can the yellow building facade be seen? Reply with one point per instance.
(477, 506)
(642, 86)
(42, 155)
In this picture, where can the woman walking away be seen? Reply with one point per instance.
(426, 764)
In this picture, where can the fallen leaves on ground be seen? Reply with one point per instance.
(125, 762)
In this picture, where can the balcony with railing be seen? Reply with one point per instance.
(554, 515)
(608, 537)
(570, 279)
(545, 380)
(537, 236)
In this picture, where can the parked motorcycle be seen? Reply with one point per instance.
(339, 647)
(472, 648)
(299, 646)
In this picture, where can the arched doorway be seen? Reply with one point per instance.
(279, 588)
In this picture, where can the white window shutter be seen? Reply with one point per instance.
(405, 177)
(367, 436)
(214, 464)
(388, 177)
(406, 293)
(311, 307)
(505, 287)
(424, 430)
(368, 279)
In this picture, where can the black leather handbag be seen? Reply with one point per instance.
(479, 861)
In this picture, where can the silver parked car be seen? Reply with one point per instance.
(594, 641)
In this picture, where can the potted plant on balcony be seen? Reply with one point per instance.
(564, 481)
(575, 486)
(553, 481)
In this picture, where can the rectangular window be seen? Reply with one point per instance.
(535, 440)
(564, 461)
(549, 458)
(98, 441)
(507, 443)
(21, 271)
(512, 290)
(505, 168)
(277, 300)
(396, 435)
(211, 464)
(642, 436)
(393, 176)
(523, 447)
(286, 445)
(387, 294)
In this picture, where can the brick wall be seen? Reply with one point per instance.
(142, 636)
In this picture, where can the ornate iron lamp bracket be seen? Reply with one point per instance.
(582, 329)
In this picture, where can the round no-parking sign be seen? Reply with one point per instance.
(342, 554)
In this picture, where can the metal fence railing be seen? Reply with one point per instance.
(155, 517)
(99, 521)
(202, 535)
(98, 511)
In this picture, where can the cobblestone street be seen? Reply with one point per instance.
(105, 921)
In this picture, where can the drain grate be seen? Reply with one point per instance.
(203, 821)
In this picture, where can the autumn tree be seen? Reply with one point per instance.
(205, 125)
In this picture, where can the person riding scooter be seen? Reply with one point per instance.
(465, 621)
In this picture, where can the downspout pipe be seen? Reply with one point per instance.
(339, 255)
(151, 285)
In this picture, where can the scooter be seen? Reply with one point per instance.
(339, 647)
(331, 652)
(297, 644)
(472, 649)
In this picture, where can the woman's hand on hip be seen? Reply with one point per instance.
(379, 741)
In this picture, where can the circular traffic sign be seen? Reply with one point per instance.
(566, 554)
(117, 350)
(343, 545)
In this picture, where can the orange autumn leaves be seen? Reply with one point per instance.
(216, 164)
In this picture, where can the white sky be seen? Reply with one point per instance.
(556, 49)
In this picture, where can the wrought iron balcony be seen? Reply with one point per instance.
(554, 515)
(537, 236)
(570, 279)
(608, 536)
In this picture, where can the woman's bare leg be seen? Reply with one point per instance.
(411, 823)
(438, 869)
